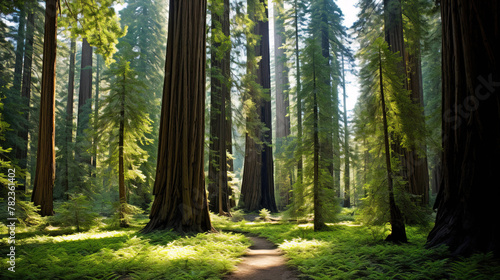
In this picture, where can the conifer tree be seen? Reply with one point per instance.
(180, 199)
(283, 171)
(257, 190)
(146, 34)
(220, 191)
(45, 166)
(125, 121)
(470, 80)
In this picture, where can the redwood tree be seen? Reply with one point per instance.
(220, 83)
(180, 199)
(45, 160)
(84, 96)
(257, 189)
(468, 197)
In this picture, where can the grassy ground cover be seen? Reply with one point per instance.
(352, 251)
(104, 253)
(347, 251)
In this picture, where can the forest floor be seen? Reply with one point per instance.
(281, 250)
(263, 261)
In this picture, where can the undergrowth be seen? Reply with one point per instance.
(106, 253)
(353, 251)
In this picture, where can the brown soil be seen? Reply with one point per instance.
(263, 261)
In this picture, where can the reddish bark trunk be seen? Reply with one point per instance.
(46, 161)
(468, 195)
(180, 199)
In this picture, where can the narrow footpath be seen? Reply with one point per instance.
(263, 261)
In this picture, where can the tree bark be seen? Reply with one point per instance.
(85, 92)
(96, 115)
(414, 168)
(45, 160)
(122, 194)
(257, 190)
(218, 187)
(22, 152)
(319, 223)
(298, 99)
(69, 115)
(180, 199)
(347, 187)
(282, 105)
(398, 232)
(18, 65)
(468, 196)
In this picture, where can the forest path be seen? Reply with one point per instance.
(263, 261)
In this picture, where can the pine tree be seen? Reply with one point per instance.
(124, 120)
(146, 34)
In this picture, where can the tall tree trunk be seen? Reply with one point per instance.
(319, 223)
(298, 101)
(69, 115)
(331, 140)
(122, 194)
(22, 152)
(96, 116)
(398, 232)
(282, 104)
(85, 94)
(180, 199)
(257, 190)
(45, 160)
(414, 168)
(264, 79)
(18, 65)
(416, 165)
(347, 187)
(468, 196)
(218, 187)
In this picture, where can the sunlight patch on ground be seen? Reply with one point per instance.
(302, 244)
(75, 237)
(178, 253)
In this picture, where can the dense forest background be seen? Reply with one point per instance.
(111, 111)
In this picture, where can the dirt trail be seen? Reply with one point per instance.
(263, 261)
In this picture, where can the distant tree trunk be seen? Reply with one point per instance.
(122, 192)
(298, 100)
(468, 196)
(218, 187)
(282, 103)
(69, 115)
(85, 85)
(18, 66)
(414, 168)
(319, 223)
(22, 152)
(257, 190)
(180, 199)
(330, 141)
(347, 187)
(45, 160)
(264, 79)
(96, 116)
(416, 163)
(229, 142)
(398, 232)
(84, 96)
